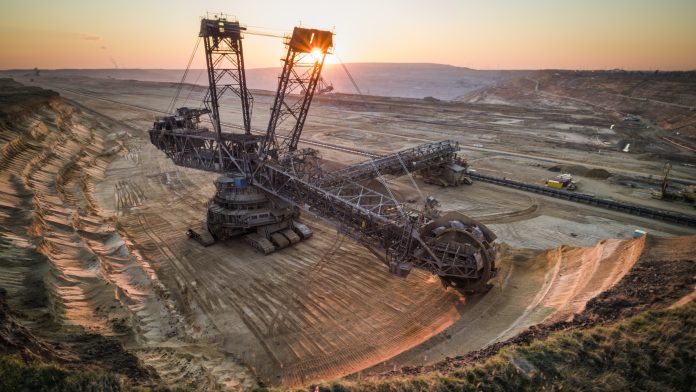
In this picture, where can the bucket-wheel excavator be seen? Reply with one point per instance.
(266, 180)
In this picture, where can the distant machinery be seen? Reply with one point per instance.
(686, 193)
(266, 179)
(689, 193)
(324, 87)
(563, 181)
(664, 184)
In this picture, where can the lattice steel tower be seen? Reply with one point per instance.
(225, 64)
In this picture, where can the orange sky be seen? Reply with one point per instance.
(502, 34)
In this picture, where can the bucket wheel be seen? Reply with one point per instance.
(476, 250)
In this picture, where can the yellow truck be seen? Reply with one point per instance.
(562, 181)
(554, 184)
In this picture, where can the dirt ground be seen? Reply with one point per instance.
(662, 276)
(94, 216)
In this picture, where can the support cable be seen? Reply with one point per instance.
(193, 87)
(172, 104)
(391, 147)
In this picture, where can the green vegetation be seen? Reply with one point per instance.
(654, 351)
(16, 375)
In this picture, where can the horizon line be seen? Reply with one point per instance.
(614, 69)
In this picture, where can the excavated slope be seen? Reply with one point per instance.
(532, 286)
(63, 260)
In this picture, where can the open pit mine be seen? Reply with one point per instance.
(284, 238)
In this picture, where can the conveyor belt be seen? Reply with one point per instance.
(632, 209)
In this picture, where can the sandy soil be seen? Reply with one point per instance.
(532, 287)
(63, 257)
(291, 315)
(663, 276)
(96, 217)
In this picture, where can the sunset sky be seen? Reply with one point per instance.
(494, 34)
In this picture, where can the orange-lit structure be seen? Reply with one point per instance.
(266, 179)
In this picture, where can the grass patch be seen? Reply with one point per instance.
(653, 351)
(19, 376)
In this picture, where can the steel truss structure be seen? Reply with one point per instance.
(226, 73)
(410, 160)
(307, 50)
(225, 65)
(452, 246)
(383, 224)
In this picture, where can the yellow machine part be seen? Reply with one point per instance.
(554, 184)
(690, 192)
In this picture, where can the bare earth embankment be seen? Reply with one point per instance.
(65, 267)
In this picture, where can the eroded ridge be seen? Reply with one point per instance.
(62, 257)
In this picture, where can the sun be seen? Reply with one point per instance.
(316, 54)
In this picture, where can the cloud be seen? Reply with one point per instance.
(88, 37)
